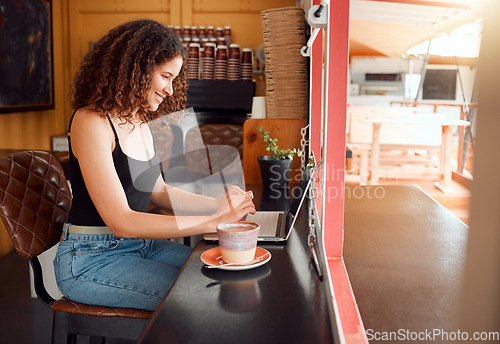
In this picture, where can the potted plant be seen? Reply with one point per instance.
(275, 168)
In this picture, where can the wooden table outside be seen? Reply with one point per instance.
(446, 144)
(464, 111)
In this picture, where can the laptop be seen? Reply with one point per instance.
(276, 226)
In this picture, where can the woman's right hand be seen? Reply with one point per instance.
(235, 208)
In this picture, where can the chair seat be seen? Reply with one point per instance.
(68, 306)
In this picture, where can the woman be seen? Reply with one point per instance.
(110, 254)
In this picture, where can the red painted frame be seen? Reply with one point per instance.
(334, 89)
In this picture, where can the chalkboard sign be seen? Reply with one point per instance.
(440, 84)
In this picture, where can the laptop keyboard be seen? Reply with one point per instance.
(268, 222)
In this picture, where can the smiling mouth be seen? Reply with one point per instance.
(159, 97)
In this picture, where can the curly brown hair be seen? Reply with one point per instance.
(116, 74)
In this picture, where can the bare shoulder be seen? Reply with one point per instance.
(86, 117)
(90, 130)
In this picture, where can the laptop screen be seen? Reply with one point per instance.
(299, 191)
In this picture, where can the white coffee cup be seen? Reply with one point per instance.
(259, 107)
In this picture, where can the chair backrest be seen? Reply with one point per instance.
(213, 160)
(34, 200)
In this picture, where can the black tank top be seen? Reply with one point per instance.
(137, 177)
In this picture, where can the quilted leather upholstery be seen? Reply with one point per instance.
(218, 141)
(34, 200)
(68, 306)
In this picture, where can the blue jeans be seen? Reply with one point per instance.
(115, 272)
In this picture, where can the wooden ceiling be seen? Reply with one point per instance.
(391, 27)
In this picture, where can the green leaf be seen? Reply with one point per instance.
(272, 147)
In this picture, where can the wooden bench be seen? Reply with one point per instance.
(400, 139)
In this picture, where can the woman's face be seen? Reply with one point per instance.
(161, 85)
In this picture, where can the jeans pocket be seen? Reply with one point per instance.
(62, 264)
(91, 253)
(89, 247)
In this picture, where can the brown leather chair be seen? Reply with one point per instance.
(34, 204)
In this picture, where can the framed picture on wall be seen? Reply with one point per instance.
(26, 66)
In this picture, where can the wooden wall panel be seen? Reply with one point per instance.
(92, 26)
(6, 244)
(243, 16)
(129, 6)
(28, 130)
(236, 6)
(175, 12)
(92, 19)
(246, 28)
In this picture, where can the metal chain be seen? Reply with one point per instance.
(313, 194)
(303, 144)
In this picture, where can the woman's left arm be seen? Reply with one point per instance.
(170, 197)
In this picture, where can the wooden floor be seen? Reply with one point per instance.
(25, 320)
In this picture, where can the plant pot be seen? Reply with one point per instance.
(275, 173)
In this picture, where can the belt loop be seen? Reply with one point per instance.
(65, 231)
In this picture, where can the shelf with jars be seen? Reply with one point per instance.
(212, 54)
